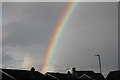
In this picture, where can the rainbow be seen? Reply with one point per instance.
(57, 34)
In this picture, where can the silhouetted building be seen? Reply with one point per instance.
(87, 75)
(13, 74)
(113, 75)
(76, 75)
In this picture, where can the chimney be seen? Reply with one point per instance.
(74, 75)
(32, 72)
(73, 70)
(69, 74)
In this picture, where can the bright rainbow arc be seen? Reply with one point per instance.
(57, 35)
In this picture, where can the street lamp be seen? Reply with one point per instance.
(99, 62)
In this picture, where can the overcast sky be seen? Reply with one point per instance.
(0, 35)
(59, 0)
(28, 27)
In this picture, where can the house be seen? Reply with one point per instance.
(87, 75)
(13, 74)
(113, 75)
(75, 75)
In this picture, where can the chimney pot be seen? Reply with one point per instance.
(73, 69)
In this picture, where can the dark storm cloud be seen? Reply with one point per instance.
(92, 29)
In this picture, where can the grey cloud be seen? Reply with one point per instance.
(22, 57)
(9, 61)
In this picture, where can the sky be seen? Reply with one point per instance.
(59, 0)
(27, 29)
(0, 35)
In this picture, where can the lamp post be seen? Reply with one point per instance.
(99, 62)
